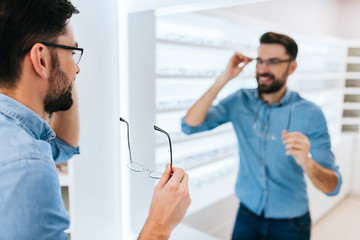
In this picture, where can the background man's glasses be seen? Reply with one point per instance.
(262, 133)
(271, 62)
(137, 167)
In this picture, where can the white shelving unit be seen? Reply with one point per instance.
(351, 112)
(65, 183)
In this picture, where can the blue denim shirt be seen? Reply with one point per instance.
(31, 206)
(268, 180)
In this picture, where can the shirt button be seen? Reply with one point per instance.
(265, 126)
(265, 192)
(262, 160)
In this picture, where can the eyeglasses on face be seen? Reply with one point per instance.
(271, 62)
(271, 136)
(76, 54)
(137, 167)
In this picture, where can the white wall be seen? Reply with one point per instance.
(356, 169)
(303, 16)
(95, 192)
(350, 19)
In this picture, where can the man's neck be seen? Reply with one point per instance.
(275, 97)
(27, 99)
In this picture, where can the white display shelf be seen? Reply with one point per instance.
(178, 137)
(201, 45)
(63, 179)
(351, 106)
(350, 121)
(212, 183)
(352, 90)
(316, 76)
(200, 76)
(353, 59)
(189, 163)
(353, 75)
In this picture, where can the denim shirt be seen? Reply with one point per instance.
(31, 206)
(268, 180)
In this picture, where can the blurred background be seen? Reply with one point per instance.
(150, 60)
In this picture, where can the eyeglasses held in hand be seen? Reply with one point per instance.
(137, 167)
(266, 134)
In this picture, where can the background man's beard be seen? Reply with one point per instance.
(57, 99)
(275, 86)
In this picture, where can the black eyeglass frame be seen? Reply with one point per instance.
(271, 136)
(145, 169)
(49, 44)
(272, 61)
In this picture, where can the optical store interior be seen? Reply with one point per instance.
(148, 61)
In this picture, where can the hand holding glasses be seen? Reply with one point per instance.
(137, 167)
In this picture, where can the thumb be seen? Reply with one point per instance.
(284, 133)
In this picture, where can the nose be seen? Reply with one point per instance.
(261, 68)
(77, 69)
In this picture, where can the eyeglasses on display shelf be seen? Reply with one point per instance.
(221, 170)
(183, 72)
(137, 167)
(271, 136)
(203, 158)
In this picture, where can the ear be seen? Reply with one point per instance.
(40, 59)
(293, 66)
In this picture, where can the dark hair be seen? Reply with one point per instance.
(284, 40)
(24, 23)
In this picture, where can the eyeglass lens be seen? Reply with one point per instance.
(76, 55)
(272, 136)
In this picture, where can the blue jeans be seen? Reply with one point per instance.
(249, 226)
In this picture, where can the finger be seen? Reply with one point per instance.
(185, 179)
(165, 177)
(300, 140)
(293, 152)
(293, 134)
(178, 175)
(294, 146)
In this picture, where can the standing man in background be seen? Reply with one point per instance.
(281, 137)
(38, 66)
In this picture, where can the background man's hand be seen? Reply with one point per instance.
(170, 202)
(233, 69)
(298, 146)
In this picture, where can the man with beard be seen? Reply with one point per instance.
(38, 66)
(281, 137)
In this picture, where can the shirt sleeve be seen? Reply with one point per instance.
(62, 151)
(34, 208)
(320, 147)
(217, 115)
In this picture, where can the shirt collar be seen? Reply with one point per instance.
(284, 100)
(26, 117)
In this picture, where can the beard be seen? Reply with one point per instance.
(58, 96)
(276, 85)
